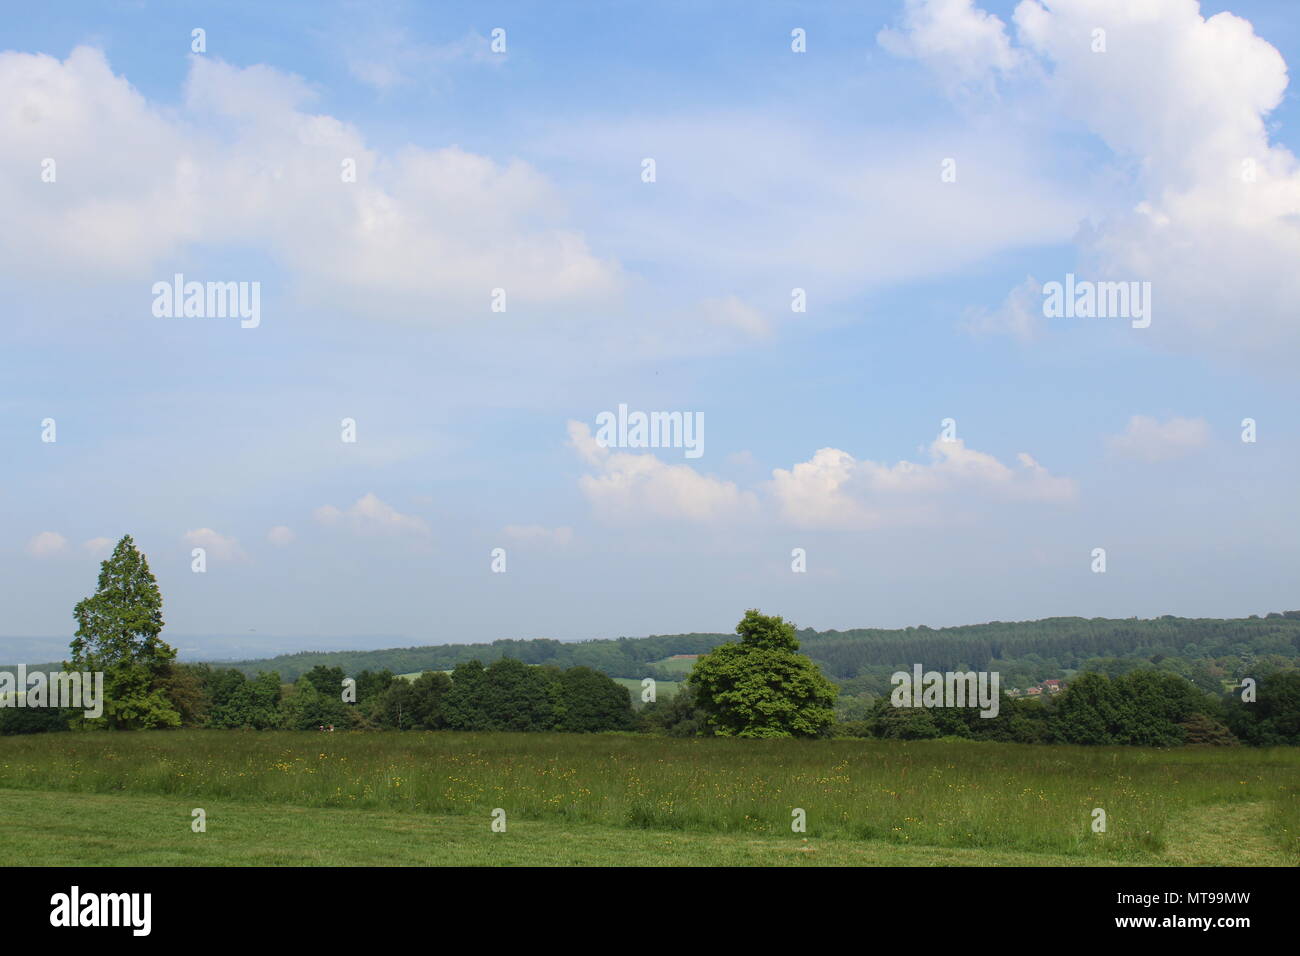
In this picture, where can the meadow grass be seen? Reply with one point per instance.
(954, 794)
(664, 689)
(84, 829)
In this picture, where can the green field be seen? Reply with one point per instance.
(675, 666)
(664, 689)
(423, 797)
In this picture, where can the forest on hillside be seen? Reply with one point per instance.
(1206, 651)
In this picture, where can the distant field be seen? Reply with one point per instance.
(414, 674)
(664, 689)
(676, 665)
(905, 801)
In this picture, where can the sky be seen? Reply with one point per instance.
(829, 233)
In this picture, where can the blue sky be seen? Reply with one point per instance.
(522, 170)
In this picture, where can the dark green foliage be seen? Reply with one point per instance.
(1204, 730)
(327, 680)
(240, 703)
(677, 716)
(516, 697)
(306, 707)
(590, 701)
(395, 709)
(463, 706)
(35, 720)
(1273, 718)
(1143, 708)
(428, 697)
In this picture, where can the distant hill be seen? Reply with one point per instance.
(1045, 647)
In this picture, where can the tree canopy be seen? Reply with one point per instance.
(119, 631)
(761, 686)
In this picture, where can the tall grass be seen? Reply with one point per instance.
(939, 793)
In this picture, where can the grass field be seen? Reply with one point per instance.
(664, 689)
(356, 798)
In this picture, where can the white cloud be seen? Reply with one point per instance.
(1180, 101)
(387, 57)
(46, 544)
(1185, 97)
(98, 546)
(830, 490)
(734, 313)
(280, 535)
(217, 545)
(1020, 315)
(632, 488)
(369, 515)
(835, 490)
(961, 43)
(422, 232)
(1147, 439)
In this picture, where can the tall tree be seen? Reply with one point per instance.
(761, 686)
(118, 633)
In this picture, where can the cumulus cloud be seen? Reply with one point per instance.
(243, 161)
(46, 544)
(386, 57)
(1020, 315)
(835, 490)
(733, 312)
(627, 487)
(217, 545)
(1180, 100)
(959, 42)
(98, 546)
(369, 515)
(1218, 230)
(830, 490)
(280, 535)
(1147, 439)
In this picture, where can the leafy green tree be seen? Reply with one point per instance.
(678, 715)
(515, 696)
(428, 695)
(904, 723)
(1273, 719)
(185, 685)
(589, 701)
(118, 632)
(396, 708)
(761, 686)
(307, 708)
(327, 680)
(240, 703)
(1088, 712)
(1206, 731)
(370, 684)
(35, 720)
(463, 707)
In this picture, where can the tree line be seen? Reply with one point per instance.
(766, 684)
